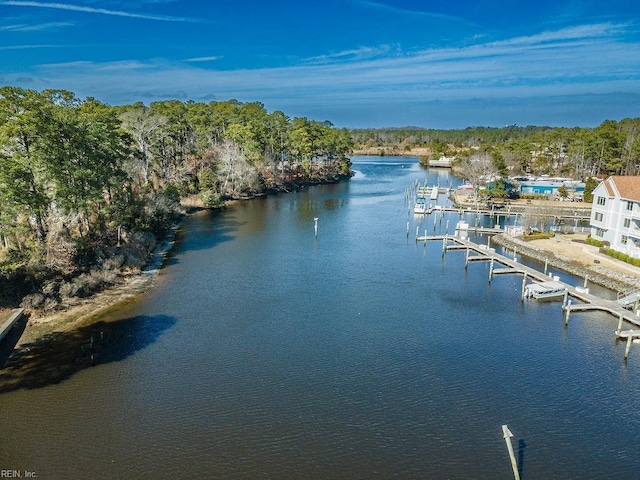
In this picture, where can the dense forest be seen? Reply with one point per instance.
(611, 148)
(87, 189)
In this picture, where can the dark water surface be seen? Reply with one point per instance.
(265, 353)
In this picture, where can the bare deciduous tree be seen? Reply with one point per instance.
(145, 128)
(478, 168)
(235, 175)
(546, 216)
(539, 217)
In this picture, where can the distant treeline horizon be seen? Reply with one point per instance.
(613, 147)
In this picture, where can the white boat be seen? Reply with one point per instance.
(420, 206)
(462, 229)
(462, 225)
(545, 290)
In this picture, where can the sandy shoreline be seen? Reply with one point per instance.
(83, 311)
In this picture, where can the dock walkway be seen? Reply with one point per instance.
(589, 302)
(513, 210)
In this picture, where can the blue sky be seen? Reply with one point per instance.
(356, 63)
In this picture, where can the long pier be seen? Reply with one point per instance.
(476, 253)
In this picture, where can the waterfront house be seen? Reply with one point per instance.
(615, 215)
(549, 186)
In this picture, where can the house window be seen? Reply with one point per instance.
(627, 222)
(599, 232)
(629, 205)
(601, 200)
(624, 239)
(598, 217)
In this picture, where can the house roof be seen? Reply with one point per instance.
(627, 187)
(610, 186)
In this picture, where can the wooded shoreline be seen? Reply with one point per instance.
(87, 188)
(83, 311)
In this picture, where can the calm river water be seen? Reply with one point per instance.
(266, 353)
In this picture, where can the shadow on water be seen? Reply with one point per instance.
(522, 446)
(59, 355)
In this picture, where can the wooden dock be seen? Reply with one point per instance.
(513, 210)
(8, 324)
(588, 302)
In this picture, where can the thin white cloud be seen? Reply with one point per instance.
(203, 59)
(357, 54)
(36, 27)
(421, 13)
(100, 11)
(27, 47)
(126, 66)
(67, 65)
(593, 31)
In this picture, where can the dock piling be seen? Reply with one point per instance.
(629, 340)
(567, 312)
(619, 329)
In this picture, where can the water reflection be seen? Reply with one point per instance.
(215, 229)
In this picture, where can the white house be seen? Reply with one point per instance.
(615, 215)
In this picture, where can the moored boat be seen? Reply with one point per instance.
(420, 206)
(545, 290)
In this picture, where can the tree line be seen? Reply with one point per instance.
(87, 188)
(612, 148)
